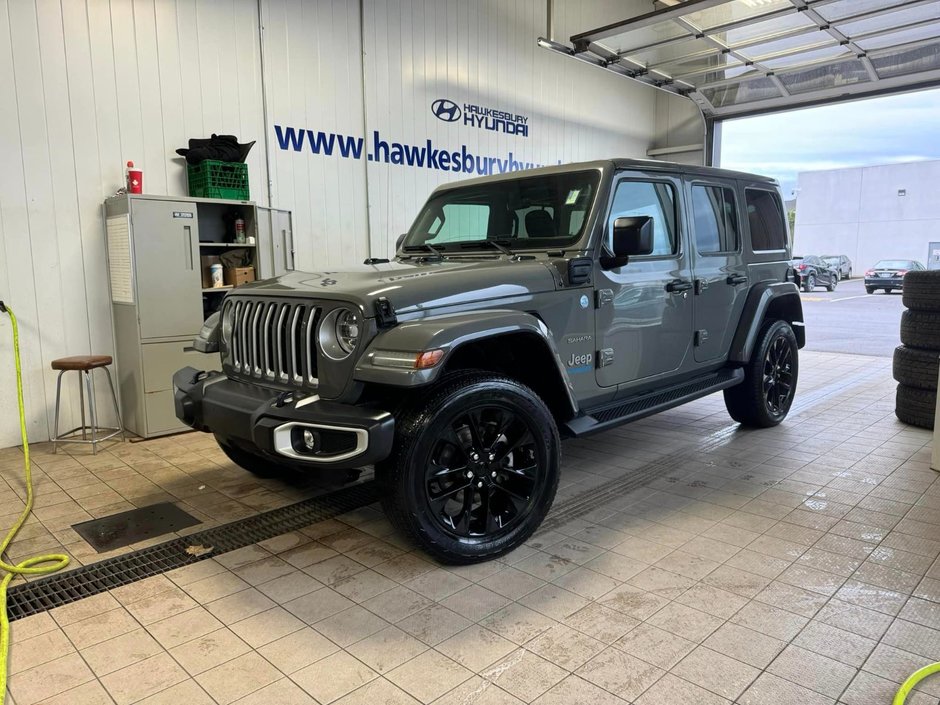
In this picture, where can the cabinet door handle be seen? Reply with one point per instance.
(188, 254)
(735, 279)
(678, 285)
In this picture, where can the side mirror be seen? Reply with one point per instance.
(630, 237)
(399, 241)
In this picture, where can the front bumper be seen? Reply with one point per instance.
(273, 424)
(882, 282)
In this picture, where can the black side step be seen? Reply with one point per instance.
(624, 410)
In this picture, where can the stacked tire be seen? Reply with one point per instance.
(917, 361)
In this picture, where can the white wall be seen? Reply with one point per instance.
(859, 212)
(87, 84)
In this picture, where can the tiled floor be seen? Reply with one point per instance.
(685, 561)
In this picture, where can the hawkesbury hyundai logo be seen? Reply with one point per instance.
(481, 117)
(446, 110)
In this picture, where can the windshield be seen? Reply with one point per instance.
(895, 264)
(831, 260)
(528, 212)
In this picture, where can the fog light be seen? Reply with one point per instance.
(310, 439)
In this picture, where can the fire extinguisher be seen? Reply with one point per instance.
(135, 179)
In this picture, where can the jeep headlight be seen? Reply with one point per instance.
(347, 330)
(340, 332)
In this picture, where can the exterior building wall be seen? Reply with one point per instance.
(869, 213)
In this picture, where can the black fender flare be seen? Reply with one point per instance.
(448, 333)
(777, 299)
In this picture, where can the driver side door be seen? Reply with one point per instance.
(643, 310)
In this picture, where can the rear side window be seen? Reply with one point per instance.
(716, 220)
(765, 219)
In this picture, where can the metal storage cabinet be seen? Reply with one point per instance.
(276, 230)
(154, 245)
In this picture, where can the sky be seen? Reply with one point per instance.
(886, 130)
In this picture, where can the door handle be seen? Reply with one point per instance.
(678, 285)
(735, 279)
(188, 256)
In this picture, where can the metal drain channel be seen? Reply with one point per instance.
(63, 588)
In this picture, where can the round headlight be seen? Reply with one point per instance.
(347, 330)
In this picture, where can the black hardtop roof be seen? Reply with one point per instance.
(657, 165)
(608, 165)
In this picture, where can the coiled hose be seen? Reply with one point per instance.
(37, 565)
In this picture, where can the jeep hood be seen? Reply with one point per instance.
(415, 285)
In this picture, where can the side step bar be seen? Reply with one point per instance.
(631, 409)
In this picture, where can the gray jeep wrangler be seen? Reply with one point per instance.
(519, 309)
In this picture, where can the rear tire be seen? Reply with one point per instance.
(922, 290)
(764, 398)
(921, 329)
(809, 283)
(869, 290)
(915, 406)
(474, 469)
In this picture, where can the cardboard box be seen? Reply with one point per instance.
(207, 261)
(236, 276)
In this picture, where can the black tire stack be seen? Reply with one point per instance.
(917, 361)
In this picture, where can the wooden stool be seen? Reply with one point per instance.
(84, 365)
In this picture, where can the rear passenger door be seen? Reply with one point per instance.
(718, 267)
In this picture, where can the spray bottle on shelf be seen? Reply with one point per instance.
(135, 179)
(239, 229)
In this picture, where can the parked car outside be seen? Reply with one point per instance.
(888, 274)
(841, 263)
(813, 271)
(519, 309)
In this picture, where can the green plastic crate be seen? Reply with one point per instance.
(215, 179)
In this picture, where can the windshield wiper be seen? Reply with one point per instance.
(498, 244)
(426, 247)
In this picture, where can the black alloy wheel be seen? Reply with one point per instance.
(474, 468)
(778, 376)
(482, 473)
(765, 396)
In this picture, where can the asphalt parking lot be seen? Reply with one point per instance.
(850, 321)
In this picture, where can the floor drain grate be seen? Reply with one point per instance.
(61, 589)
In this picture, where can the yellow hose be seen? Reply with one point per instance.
(912, 680)
(30, 566)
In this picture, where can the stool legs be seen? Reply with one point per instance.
(86, 383)
(58, 397)
(81, 402)
(93, 412)
(117, 409)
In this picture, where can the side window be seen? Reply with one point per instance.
(462, 221)
(715, 219)
(765, 219)
(653, 198)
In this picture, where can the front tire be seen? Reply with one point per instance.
(833, 284)
(764, 398)
(474, 469)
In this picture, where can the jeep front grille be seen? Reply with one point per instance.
(273, 341)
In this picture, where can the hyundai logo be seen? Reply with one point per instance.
(445, 110)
